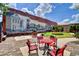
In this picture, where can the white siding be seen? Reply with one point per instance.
(13, 22)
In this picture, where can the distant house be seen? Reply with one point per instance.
(19, 21)
(66, 26)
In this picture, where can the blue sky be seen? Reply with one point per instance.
(58, 12)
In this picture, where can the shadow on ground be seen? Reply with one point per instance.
(73, 47)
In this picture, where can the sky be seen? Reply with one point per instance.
(58, 12)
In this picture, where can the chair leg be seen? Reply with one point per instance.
(44, 50)
(47, 53)
(0, 39)
(37, 51)
(29, 52)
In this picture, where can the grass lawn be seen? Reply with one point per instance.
(60, 34)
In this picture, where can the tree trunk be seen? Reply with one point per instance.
(0, 37)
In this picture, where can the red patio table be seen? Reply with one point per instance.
(47, 43)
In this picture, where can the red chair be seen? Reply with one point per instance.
(54, 40)
(57, 52)
(60, 51)
(52, 52)
(31, 47)
(39, 38)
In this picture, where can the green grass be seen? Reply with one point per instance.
(59, 34)
(47, 33)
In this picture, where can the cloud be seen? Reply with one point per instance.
(26, 10)
(75, 18)
(65, 21)
(74, 6)
(42, 9)
(12, 5)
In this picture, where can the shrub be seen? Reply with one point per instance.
(77, 35)
(57, 33)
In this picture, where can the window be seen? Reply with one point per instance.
(28, 20)
(38, 26)
(18, 20)
(13, 28)
(32, 25)
(13, 20)
(28, 23)
(21, 23)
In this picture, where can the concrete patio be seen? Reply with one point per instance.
(15, 46)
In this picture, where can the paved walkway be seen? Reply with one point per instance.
(62, 41)
(13, 46)
(73, 45)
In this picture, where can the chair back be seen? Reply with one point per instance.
(39, 38)
(60, 51)
(54, 41)
(28, 43)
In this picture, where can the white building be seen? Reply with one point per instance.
(18, 21)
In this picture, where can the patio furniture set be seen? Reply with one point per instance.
(50, 45)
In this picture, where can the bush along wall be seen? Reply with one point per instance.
(77, 35)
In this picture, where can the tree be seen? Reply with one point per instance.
(3, 8)
(77, 28)
(3, 11)
(73, 28)
(60, 28)
(55, 28)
